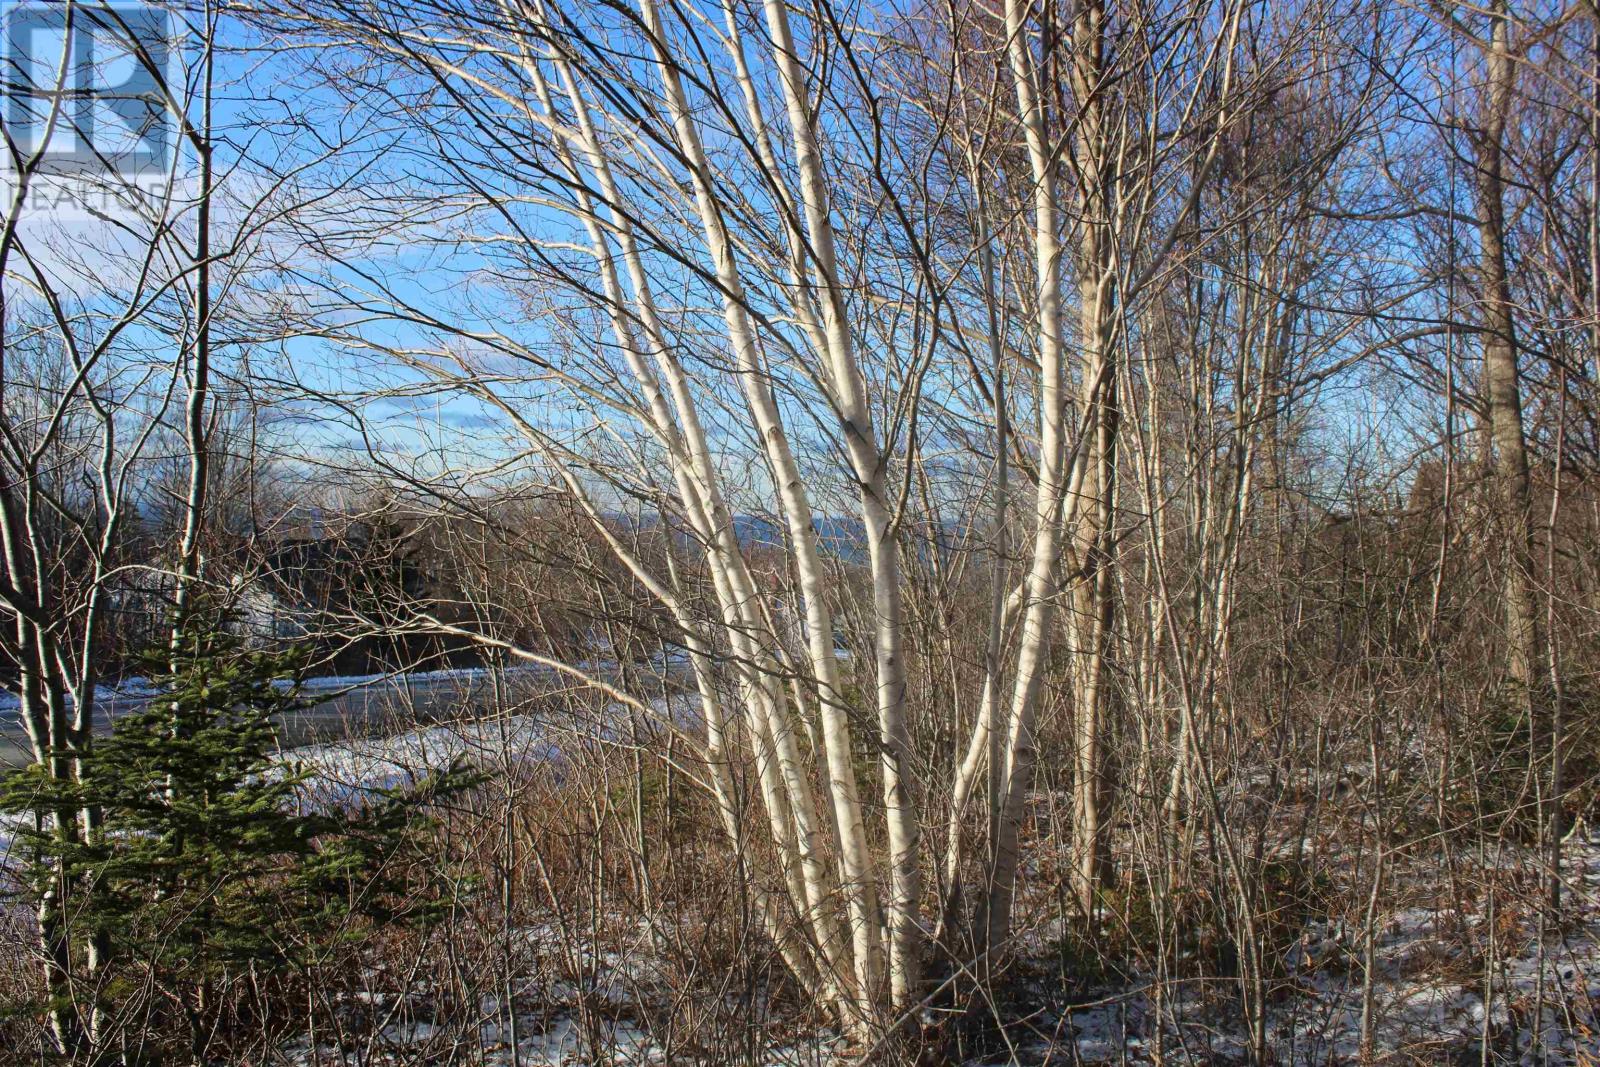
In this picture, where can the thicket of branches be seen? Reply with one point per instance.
(1000, 500)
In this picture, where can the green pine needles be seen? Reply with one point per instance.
(198, 880)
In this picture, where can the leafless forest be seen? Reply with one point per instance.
(804, 532)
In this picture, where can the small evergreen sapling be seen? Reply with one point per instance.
(208, 865)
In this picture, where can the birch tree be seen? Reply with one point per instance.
(706, 232)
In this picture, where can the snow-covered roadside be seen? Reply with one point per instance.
(347, 768)
(130, 692)
(362, 764)
(127, 692)
(342, 771)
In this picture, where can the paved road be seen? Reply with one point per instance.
(354, 707)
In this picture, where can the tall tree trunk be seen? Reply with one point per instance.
(1502, 388)
(1040, 584)
(1092, 587)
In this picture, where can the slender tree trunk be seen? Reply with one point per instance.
(877, 512)
(1502, 385)
(1092, 588)
(1093, 614)
(1039, 585)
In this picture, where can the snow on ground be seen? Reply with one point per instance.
(347, 768)
(343, 771)
(1428, 997)
(575, 1006)
(541, 1041)
(1428, 1006)
(464, 676)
